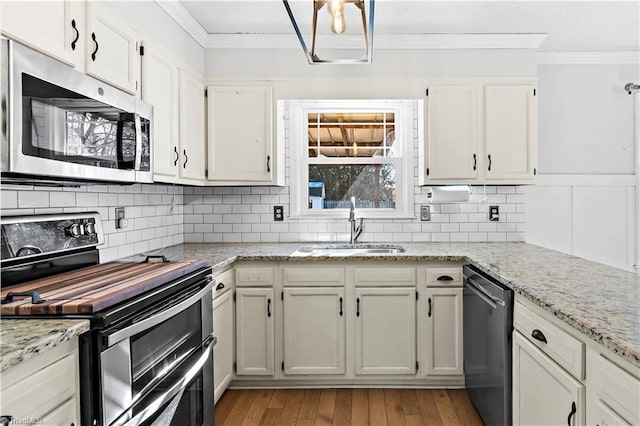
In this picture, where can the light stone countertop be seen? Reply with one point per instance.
(601, 302)
(23, 339)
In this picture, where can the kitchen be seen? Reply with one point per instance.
(584, 170)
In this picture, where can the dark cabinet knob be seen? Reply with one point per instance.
(538, 335)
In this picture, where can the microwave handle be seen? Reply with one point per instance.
(112, 339)
(174, 392)
(138, 125)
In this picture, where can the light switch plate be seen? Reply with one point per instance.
(425, 213)
(494, 213)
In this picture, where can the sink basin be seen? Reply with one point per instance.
(348, 250)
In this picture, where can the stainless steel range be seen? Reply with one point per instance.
(148, 357)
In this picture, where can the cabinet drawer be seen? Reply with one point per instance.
(444, 277)
(64, 415)
(254, 276)
(38, 392)
(385, 277)
(563, 348)
(614, 388)
(313, 276)
(223, 283)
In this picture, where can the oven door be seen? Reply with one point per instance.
(161, 358)
(64, 124)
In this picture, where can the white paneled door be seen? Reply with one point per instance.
(254, 331)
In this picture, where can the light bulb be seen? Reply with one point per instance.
(336, 9)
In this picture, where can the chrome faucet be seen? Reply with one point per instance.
(356, 230)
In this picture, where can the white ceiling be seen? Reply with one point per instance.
(576, 26)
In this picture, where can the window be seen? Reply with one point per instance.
(341, 149)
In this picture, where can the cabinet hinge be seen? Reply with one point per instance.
(427, 171)
(235, 366)
(282, 296)
(141, 50)
(427, 92)
(282, 365)
(534, 92)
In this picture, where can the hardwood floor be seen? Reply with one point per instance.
(392, 407)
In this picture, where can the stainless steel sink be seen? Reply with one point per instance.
(348, 250)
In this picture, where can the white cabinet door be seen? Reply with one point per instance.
(53, 27)
(111, 48)
(451, 133)
(64, 415)
(444, 332)
(223, 350)
(160, 89)
(192, 138)
(510, 126)
(240, 134)
(254, 331)
(314, 330)
(385, 330)
(602, 415)
(543, 392)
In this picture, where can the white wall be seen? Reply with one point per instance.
(585, 200)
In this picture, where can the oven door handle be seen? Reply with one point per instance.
(112, 339)
(484, 295)
(158, 404)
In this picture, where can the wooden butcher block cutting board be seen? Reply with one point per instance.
(94, 288)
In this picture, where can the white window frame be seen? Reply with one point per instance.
(408, 114)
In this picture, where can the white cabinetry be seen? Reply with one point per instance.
(385, 330)
(241, 147)
(543, 393)
(479, 132)
(314, 330)
(223, 329)
(254, 331)
(55, 28)
(177, 97)
(44, 387)
(192, 134)
(111, 48)
(444, 332)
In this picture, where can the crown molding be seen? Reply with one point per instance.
(587, 58)
(381, 41)
(178, 13)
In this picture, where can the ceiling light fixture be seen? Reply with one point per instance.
(341, 40)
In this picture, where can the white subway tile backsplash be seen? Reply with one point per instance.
(33, 199)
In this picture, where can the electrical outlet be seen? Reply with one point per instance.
(278, 213)
(494, 213)
(121, 220)
(425, 213)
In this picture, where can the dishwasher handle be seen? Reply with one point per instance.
(483, 294)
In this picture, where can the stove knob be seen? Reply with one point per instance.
(75, 230)
(90, 228)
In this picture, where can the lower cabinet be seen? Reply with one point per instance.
(444, 352)
(254, 331)
(543, 392)
(385, 330)
(223, 350)
(314, 330)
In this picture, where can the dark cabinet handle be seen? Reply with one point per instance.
(93, 55)
(5, 420)
(268, 164)
(341, 306)
(429, 313)
(538, 335)
(186, 158)
(475, 161)
(220, 286)
(444, 278)
(75, 40)
(489, 162)
(269, 308)
(572, 413)
(358, 307)
(175, 162)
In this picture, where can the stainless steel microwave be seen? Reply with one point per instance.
(61, 126)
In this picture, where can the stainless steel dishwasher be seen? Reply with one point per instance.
(488, 324)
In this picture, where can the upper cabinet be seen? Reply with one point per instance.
(55, 28)
(479, 133)
(192, 125)
(242, 149)
(111, 48)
